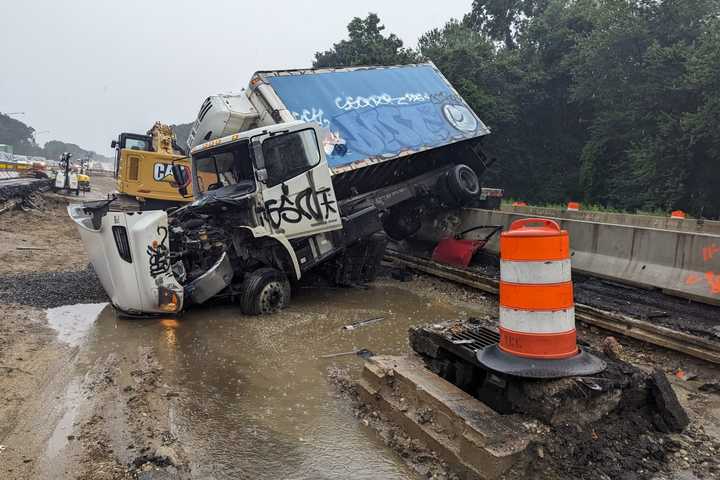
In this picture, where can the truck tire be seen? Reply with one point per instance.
(264, 291)
(401, 225)
(463, 183)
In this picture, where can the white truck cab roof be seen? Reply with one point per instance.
(236, 137)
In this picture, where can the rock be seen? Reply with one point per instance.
(167, 453)
(612, 348)
(669, 408)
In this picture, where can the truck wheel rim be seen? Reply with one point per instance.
(272, 297)
(468, 181)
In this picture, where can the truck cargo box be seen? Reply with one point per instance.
(384, 123)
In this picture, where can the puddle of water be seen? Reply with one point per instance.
(72, 322)
(254, 400)
(58, 440)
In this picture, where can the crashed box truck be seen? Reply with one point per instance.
(306, 170)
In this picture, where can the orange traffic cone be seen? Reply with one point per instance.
(537, 314)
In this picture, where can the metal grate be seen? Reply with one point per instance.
(474, 337)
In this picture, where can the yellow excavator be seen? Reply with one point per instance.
(143, 168)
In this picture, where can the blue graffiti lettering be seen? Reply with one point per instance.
(388, 129)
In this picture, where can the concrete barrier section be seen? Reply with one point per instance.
(680, 263)
(692, 225)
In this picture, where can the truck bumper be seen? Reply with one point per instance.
(130, 254)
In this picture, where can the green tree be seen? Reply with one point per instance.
(504, 20)
(366, 46)
(605, 101)
(20, 136)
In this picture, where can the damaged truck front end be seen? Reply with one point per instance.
(130, 254)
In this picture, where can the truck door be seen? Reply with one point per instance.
(298, 196)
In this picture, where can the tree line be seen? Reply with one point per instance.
(613, 102)
(22, 138)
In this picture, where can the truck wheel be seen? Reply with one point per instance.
(264, 291)
(463, 183)
(401, 225)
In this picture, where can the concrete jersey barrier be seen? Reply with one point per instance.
(692, 225)
(679, 263)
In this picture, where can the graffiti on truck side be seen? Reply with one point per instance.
(356, 103)
(309, 204)
(158, 253)
(386, 125)
(711, 278)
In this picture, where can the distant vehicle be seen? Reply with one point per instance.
(143, 168)
(306, 170)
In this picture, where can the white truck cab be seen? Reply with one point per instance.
(277, 183)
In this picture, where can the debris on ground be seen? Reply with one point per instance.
(363, 323)
(401, 275)
(710, 387)
(672, 416)
(684, 375)
(612, 348)
(362, 352)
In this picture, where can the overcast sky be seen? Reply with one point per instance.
(87, 69)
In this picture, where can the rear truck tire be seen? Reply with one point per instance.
(400, 225)
(264, 291)
(463, 182)
(458, 186)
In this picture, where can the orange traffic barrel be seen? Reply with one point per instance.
(537, 315)
(519, 204)
(677, 214)
(573, 206)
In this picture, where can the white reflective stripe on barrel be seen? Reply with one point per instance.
(536, 273)
(548, 321)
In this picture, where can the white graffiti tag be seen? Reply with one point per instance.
(355, 103)
(314, 115)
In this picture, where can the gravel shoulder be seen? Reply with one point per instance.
(66, 412)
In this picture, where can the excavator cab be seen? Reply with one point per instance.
(143, 168)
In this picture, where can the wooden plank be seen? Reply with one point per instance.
(649, 337)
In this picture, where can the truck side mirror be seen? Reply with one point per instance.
(113, 144)
(261, 175)
(182, 178)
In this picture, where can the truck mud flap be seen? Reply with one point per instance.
(360, 261)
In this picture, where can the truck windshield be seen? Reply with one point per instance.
(224, 166)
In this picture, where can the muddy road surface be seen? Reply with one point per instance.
(86, 394)
(213, 394)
